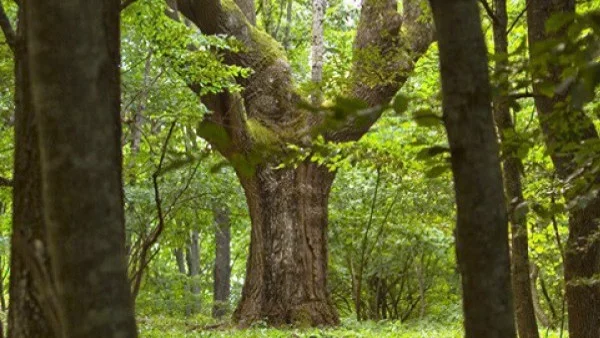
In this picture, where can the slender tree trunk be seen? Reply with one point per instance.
(193, 257)
(286, 274)
(288, 25)
(318, 12)
(178, 253)
(582, 255)
(524, 311)
(222, 270)
(74, 60)
(539, 311)
(481, 230)
(28, 315)
(193, 260)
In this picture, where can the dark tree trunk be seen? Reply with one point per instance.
(286, 274)
(481, 230)
(178, 253)
(524, 310)
(28, 316)
(222, 270)
(74, 63)
(582, 255)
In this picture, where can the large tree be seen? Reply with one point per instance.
(73, 55)
(481, 228)
(286, 276)
(565, 128)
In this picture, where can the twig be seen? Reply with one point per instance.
(512, 26)
(161, 220)
(489, 11)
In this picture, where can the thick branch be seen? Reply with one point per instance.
(386, 48)
(7, 29)
(268, 97)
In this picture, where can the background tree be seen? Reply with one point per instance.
(512, 167)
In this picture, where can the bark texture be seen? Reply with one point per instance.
(511, 164)
(74, 62)
(562, 125)
(222, 269)
(287, 267)
(481, 230)
(30, 290)
(286, 275)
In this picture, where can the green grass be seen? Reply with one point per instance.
(163, 327)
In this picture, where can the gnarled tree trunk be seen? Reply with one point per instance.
(286, 277)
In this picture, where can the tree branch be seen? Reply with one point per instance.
(489, 11)
(7, 29)
(386, 47)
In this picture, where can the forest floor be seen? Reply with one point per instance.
(163, 327)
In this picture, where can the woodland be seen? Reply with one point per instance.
(299, 168)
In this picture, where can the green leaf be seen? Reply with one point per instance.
(432, 151)
(400, 103)
(436, 171)
(426, 118)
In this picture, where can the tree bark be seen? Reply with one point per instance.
(178, 253)
(222, 269)
(193, 260)
(582, 255)
(511, 163)
(74, 60)
(30, 313)
(481, 230)
(286, 275)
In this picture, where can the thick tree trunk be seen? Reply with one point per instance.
(28, 316)
(74, 63)
(286, 273)
(524, 310)
(222, 269)
(562, 126)
(481, 230)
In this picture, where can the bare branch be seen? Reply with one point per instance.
(489, 11)
(7, 29)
